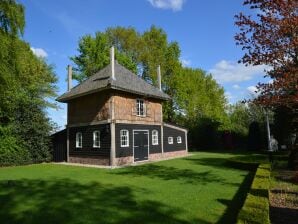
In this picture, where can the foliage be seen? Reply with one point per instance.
(270, 38)
(171, 191)
(12, 19)
(256, 206)
(12, 151)
(195, 94)
(26, 84)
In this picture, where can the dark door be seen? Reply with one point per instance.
(140, 145)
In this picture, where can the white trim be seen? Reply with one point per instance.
(179, 139)
(118, 121)
(172, 140)
(144, 107)
(174, 127)
(154, 143)
(79, 139)
(90, 123)
(127, 144)
(133, 144)
(94, 139)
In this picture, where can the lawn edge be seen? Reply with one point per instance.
(256, 205)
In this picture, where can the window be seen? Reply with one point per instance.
(170, 140)
(179, 139)
(154, 137)
(96, 139)
(124, 138)
(141, 110)
(79, 139)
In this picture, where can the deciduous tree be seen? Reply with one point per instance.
(270, 37)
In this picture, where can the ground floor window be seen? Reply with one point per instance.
(154, 137)
(96, 139)
(124, 138)
(79, 140)
(179, 139)
(170, 140)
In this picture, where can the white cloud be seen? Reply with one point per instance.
(185, 62)
(229, 96)
(236, 86)
(253, 90)
(39, 52)
(228, 71)
(174, 5)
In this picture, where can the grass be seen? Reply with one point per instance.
(203, 188)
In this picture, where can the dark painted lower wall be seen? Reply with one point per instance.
(171, 132)
(128, 151)
(59, 146)
(87, 149)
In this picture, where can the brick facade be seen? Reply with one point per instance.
(90, 160)
(125, 109)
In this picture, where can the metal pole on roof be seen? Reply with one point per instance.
(112, 61)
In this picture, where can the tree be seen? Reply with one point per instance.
(26, 84)
(141, 53)
(271, 38)
(12, 20)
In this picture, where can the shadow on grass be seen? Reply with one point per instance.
(190, 176)
(235, 205)
(65, 201)
(239, 163)
(172, 173)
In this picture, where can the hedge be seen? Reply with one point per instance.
(256, 205)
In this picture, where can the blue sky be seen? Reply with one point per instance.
(203, 29)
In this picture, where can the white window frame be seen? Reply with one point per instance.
(124, 138)
(79, 140)
(96, 139)
(179, 139)
(154, 137)
(170, 140)
(138, 107)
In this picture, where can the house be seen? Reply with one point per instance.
(115, 118)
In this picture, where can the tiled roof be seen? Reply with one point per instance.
(124, 80)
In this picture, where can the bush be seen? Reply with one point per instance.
(256, 205)
(12, 151)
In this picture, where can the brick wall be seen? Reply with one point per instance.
(90, 160)
(125, 109)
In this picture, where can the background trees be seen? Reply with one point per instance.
(196, 97)
(26, 82)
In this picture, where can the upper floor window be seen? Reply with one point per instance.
(124, 138)
(179, 139)
(154, 137)
(141, 107)
(79, 140)
(96, 139)
(170, 140)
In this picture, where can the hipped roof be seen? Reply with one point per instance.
(124, 80)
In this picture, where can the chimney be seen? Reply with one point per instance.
(159, 77)
(112, 62)
(69, 77)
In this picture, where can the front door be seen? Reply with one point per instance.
(140, 145)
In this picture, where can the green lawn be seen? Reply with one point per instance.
(203, 188)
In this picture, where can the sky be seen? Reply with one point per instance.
(205, 32)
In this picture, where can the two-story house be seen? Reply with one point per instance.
(114, 118)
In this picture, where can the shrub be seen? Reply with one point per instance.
(256, 205)
(12, 151)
